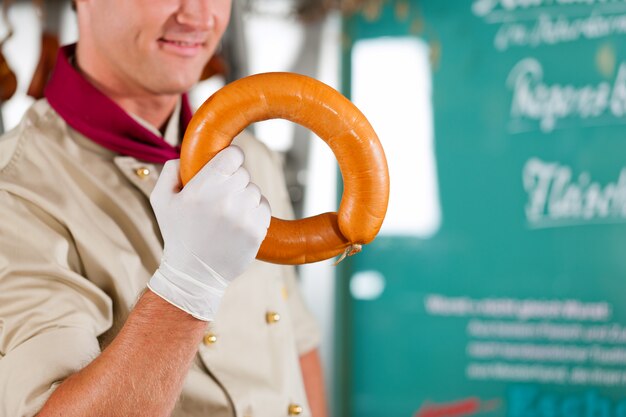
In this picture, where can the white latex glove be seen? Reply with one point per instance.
(212, 230)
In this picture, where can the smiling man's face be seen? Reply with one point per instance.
(155, 46)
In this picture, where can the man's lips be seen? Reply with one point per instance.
(181, 47)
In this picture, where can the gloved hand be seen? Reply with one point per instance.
(212, 230)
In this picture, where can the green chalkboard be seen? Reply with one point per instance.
(516, 305)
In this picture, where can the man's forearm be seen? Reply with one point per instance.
(140, 373)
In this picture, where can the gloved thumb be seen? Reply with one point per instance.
(168, 184)
(224, 164)
(228, 160)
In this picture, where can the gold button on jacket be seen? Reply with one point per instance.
(272, 317)
(209, 339)
(81, 240)
(142, 172)
(294, 410)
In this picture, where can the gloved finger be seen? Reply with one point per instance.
(224, 164)
(249, 197)
(238, 181)
(262, 215)
(168, 183)
(245, 200)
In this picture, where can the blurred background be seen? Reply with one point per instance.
(497, 284)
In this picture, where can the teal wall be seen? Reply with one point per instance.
(515, 307)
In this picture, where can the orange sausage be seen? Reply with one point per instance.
(333, 118)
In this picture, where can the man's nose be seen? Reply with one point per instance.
(197, 14)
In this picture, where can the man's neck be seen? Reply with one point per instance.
(154, 109)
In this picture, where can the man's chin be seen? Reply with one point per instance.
(175, 83)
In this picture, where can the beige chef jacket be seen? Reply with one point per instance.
(78, 243)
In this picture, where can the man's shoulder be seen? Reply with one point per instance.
(253, 146)
(258, 156)
(34, 124)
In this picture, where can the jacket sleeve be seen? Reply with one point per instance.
(50, 315)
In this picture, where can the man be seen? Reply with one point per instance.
(80, 335)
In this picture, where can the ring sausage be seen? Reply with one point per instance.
(333, 118)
